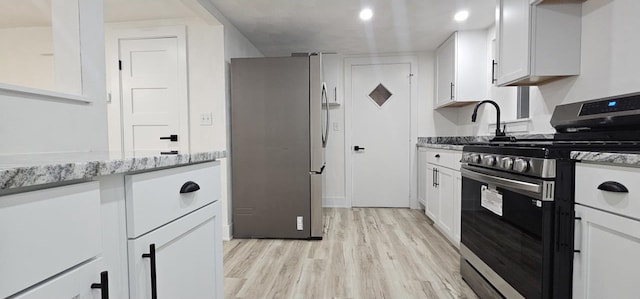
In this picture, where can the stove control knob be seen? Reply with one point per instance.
(520, 165)
(475, 158)
(506, 163)
(489, 160)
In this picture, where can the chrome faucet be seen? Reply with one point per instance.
(500, 134)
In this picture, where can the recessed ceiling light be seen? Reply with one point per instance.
(461, 16)
(366, 14)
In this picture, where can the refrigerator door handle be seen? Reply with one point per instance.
(325, 107)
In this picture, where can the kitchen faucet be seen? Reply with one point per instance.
(500, 135)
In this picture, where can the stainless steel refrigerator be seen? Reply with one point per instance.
(278, 130)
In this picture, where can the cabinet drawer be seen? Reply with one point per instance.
(590, 176)
(45, 232)
(75, 283)
(154, 199)
(445, 158)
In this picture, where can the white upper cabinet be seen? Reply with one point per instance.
(537, 42)
(461, 69)
(331, 65)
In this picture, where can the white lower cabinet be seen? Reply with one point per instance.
(88, 281)
(44, 233)
(422, 176)
(607, 264)
(179, 260)
(442, 185)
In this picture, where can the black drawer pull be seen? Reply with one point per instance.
(189, 187)
(169, 153)
(437, 155)
(612, 186)
(152, 260)
(103, 285)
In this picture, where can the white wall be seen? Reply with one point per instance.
(26, 57)
(33, 123)
(334, 180)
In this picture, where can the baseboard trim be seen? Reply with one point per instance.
(227, 232)
(335, 202)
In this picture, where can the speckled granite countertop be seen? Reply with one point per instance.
(453, 147)
(457, 142)
(622, 159)
(36, 169)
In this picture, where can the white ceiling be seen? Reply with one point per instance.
(280, 27)
(30, 13)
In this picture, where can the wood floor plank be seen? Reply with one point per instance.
(365, 253)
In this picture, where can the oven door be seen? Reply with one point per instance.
(504, 221)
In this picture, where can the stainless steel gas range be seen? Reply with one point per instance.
(518, 197)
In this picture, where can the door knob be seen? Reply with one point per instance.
(172, 138)
(358, 148)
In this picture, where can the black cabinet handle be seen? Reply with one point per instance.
(612, 186)
(172, 138)
(152, 260)
(493, 71)
(189, 187)
(169, 153)
(103, 285)
(358, 148)
(451, 90)
(437, 155)
(433, 177)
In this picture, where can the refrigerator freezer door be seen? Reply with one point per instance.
(270, 147)
(315, 110)
(316, 206)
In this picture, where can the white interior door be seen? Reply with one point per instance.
(154, 95)
(381, 95)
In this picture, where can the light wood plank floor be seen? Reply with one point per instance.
(366, 253)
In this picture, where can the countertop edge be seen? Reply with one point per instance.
(620, 159)
(57, 172)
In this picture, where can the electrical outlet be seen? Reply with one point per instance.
(299, 223)
(206, 119)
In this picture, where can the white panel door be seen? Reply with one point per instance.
(382, 128)
(607, 264)
(154, 94)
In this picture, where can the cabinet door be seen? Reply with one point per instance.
(607, 264)
(432, 198)
(445, 71)
(445, 187)
(422, 176)
(512, 35)
(73, 284)
(330, 72)
(457, 206)
(187, 255)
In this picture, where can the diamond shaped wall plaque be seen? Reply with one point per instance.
(380, 94)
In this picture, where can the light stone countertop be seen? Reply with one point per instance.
(453, 147)
(622, 159)
(457, 142)
(36, 169)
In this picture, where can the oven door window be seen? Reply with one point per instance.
(508, 238)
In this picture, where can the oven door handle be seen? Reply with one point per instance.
(503, 182)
